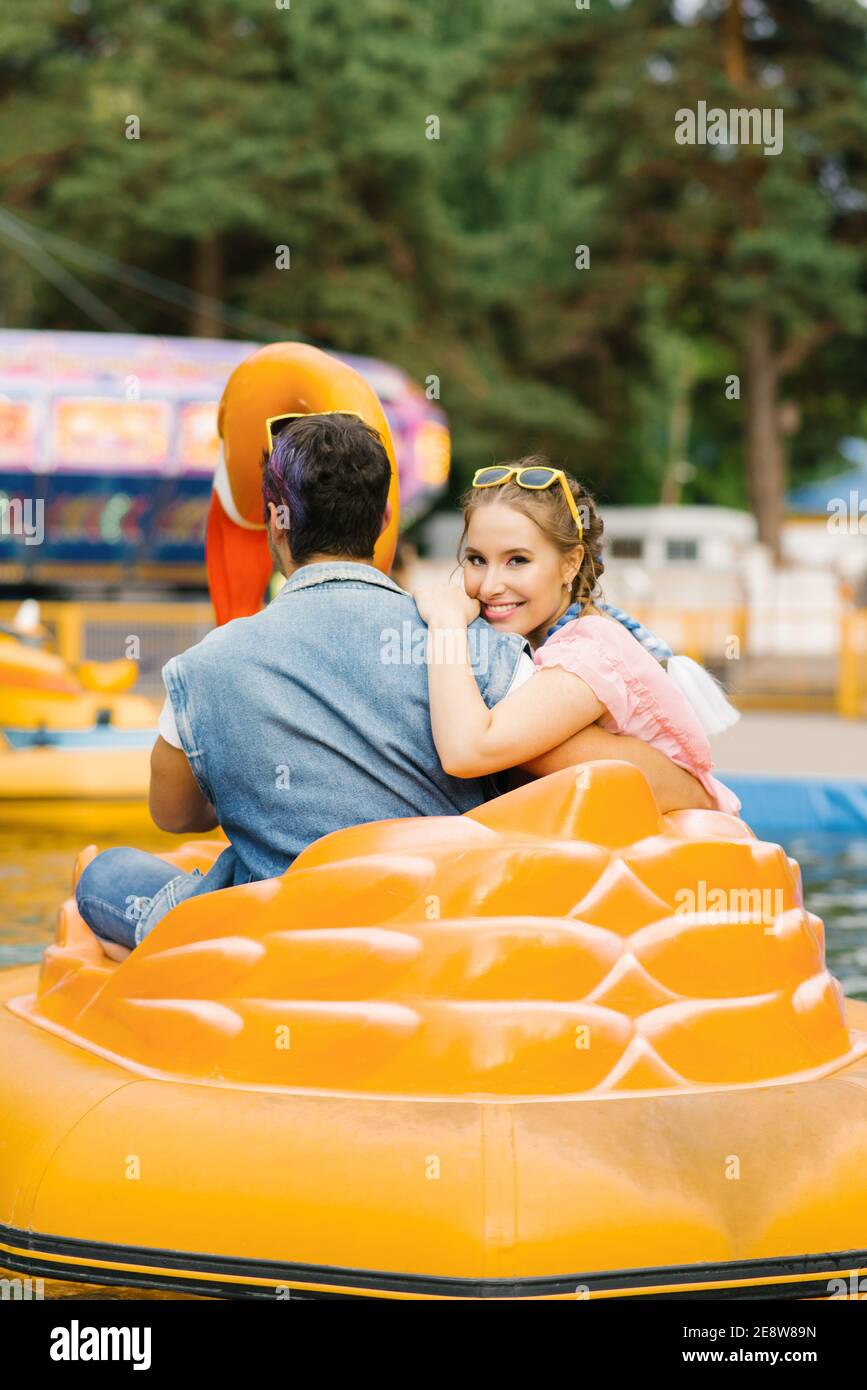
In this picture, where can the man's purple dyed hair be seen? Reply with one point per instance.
(331, 474)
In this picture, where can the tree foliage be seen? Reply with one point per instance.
(310, 127)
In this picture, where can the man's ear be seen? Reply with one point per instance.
(278, 521)
(386, 517)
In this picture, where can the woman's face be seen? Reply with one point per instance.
(519, 577)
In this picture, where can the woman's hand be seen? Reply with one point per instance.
(445, 605)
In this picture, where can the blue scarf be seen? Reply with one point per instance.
(655, 645)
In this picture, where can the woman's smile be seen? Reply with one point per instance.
(496, 612)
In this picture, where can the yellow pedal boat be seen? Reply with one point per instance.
(74, 744)
(544, 1050)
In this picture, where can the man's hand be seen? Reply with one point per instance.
(175, 799)
(673, 787)
(445, 605)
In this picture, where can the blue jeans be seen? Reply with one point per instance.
(118, 888)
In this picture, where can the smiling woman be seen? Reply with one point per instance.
(531, 566)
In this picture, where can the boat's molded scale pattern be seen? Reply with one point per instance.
(468, 956)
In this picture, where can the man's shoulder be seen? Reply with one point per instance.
(495, 657)
(290, 612)
(508, 642)
(486, 643)
(216, 643)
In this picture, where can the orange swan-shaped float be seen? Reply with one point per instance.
(279, 379)
(562, 1046)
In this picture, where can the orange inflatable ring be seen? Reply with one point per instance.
(278, 379)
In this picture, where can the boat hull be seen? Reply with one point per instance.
(118, 1178)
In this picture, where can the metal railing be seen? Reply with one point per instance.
(710, 635)
(149, 633)
(852, 676)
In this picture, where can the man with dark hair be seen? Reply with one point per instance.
(327, 479)
(312, 715)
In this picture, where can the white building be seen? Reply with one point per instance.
(699, 575)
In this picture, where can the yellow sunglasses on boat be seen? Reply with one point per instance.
(276, 423)
(534, 477)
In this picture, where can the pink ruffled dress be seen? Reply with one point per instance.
(638, 695)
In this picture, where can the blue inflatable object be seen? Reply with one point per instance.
(774, 806)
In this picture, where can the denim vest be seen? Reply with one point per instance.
(313, 716)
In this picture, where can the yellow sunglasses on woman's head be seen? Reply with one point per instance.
(535, 478)
(276, 423)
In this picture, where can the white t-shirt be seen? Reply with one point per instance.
(525, 668)
(167, 726)
(168, 729)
